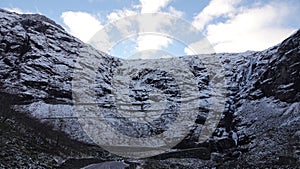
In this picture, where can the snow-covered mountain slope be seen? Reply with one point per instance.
(259, 125)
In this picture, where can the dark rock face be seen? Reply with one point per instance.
(31, 57)
(282, 78)
(259, 127)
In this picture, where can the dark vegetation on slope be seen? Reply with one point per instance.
(26, 142)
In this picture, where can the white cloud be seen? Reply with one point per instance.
(152, 6)
(188, 51)
(81, 24)
(84, 25)
(245, 28)
(175, 12)
(251, 29)
(18, 10)
(118, 14)
(215, 8)
(147, 42)
(202, 46)
(154, 42)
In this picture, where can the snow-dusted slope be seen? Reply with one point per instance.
(261, 110)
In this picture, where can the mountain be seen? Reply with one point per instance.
(259, 126)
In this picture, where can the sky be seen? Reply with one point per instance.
(229, 25)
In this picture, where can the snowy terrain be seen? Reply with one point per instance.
(259, 126)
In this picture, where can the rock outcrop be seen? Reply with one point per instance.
(259, 127)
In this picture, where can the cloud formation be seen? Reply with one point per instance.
(148, 42)
(81, 24)
(229, 25)
(118, 14)
(251, 29)
(84, 25)
(153, 5)
(215, 8)
(18, 10)
(245, 28)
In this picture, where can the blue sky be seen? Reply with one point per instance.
(54, 8)
(229, 25)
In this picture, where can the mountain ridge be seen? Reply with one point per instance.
(37, 59)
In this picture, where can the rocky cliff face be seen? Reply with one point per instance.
(260, 125)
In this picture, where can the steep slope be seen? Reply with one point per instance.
(259, 127)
